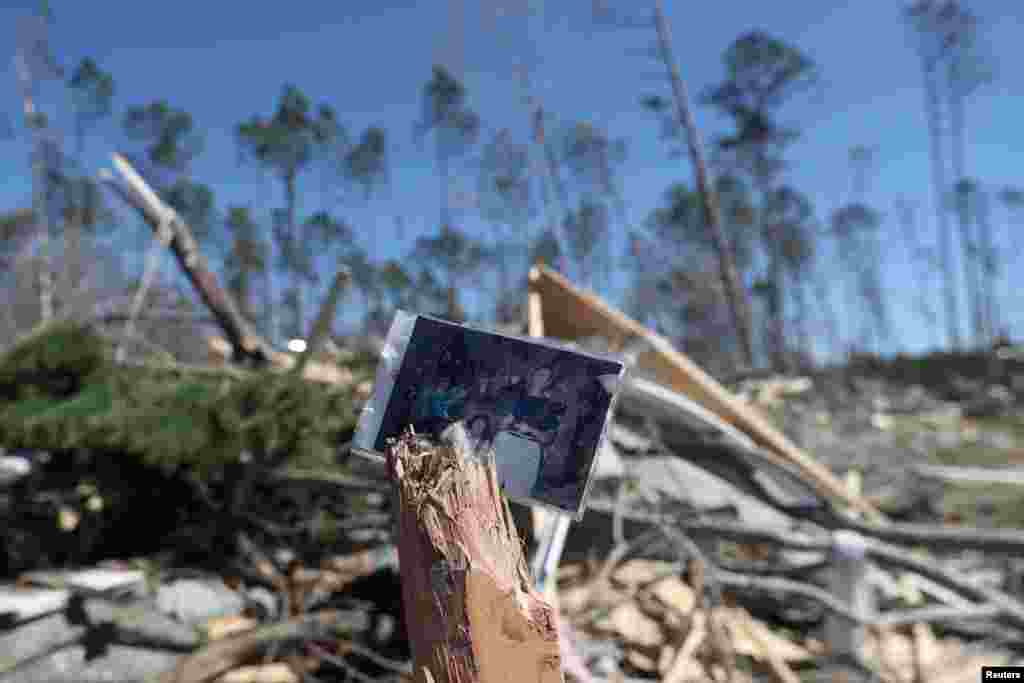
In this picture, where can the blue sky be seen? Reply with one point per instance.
(224, 61)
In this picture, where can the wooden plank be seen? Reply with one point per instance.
(568, 312)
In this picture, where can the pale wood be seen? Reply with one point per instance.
(324, 319)
(571, 313)
(471, 613)
(316, 371)
(139, 195)
(227, 653)
(539, 517)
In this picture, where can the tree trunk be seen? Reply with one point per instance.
(291, 207)
(940, 186)
(269, 313)
(245, 343)
(776, 319)
(42, 215)
(471, 613)
(969, 249)
(739, 304)
(989, 270)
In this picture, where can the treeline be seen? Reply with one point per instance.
(737, 265)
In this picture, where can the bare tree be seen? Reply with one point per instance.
(930, 20)
(35, 64)
(921, 261)
(505, 199)
(739, 303)
(966, 71)
(1012, 199)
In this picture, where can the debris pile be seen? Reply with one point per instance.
(727, 538)
(641, 619)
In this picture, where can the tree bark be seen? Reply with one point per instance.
(245, 343)
(739, 305)
(472, 614)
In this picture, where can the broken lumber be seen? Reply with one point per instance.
(568, 312)
(139, 195)
(228, 653)
(471, 612)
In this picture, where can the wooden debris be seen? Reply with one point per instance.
(764, 638)
(632, 626)
(567, 312)
(222, 627)
(638, 572)
(138, 194)
(685, 667)
(472, 613)
(753, 639)
(224, 655)
(686, 671)
(316, 371)
(926, 652)
(267, 673)
(574, 599)
(675, 594)
(641, 661)
(666, 658)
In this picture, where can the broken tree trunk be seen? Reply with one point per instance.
(471, 613)
(140, 196)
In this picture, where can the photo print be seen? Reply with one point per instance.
(540, 409)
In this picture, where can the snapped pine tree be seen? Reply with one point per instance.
(471, 612)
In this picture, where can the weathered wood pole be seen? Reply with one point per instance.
(471, 612)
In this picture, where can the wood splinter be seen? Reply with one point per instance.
(471, 612)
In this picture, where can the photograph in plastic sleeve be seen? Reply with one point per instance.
(540, 409)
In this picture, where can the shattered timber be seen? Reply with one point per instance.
(714, 548)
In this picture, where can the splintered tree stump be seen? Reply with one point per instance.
(471, 612)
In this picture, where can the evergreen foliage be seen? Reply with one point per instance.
(59, 390)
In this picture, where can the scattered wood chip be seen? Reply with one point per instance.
(816, 647)
(966, 668)
(685, 668)
(267, 673)
(68, 519)
(637, 572)
(570, 572)
(632, 626)
(672, 621)
(574, 599)
(666, 658)
(782, 672)
(673, 592)
(641, 661)
(754, 639)
(926, 651)
(221, 627)
(892, 652)
(686, 671)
